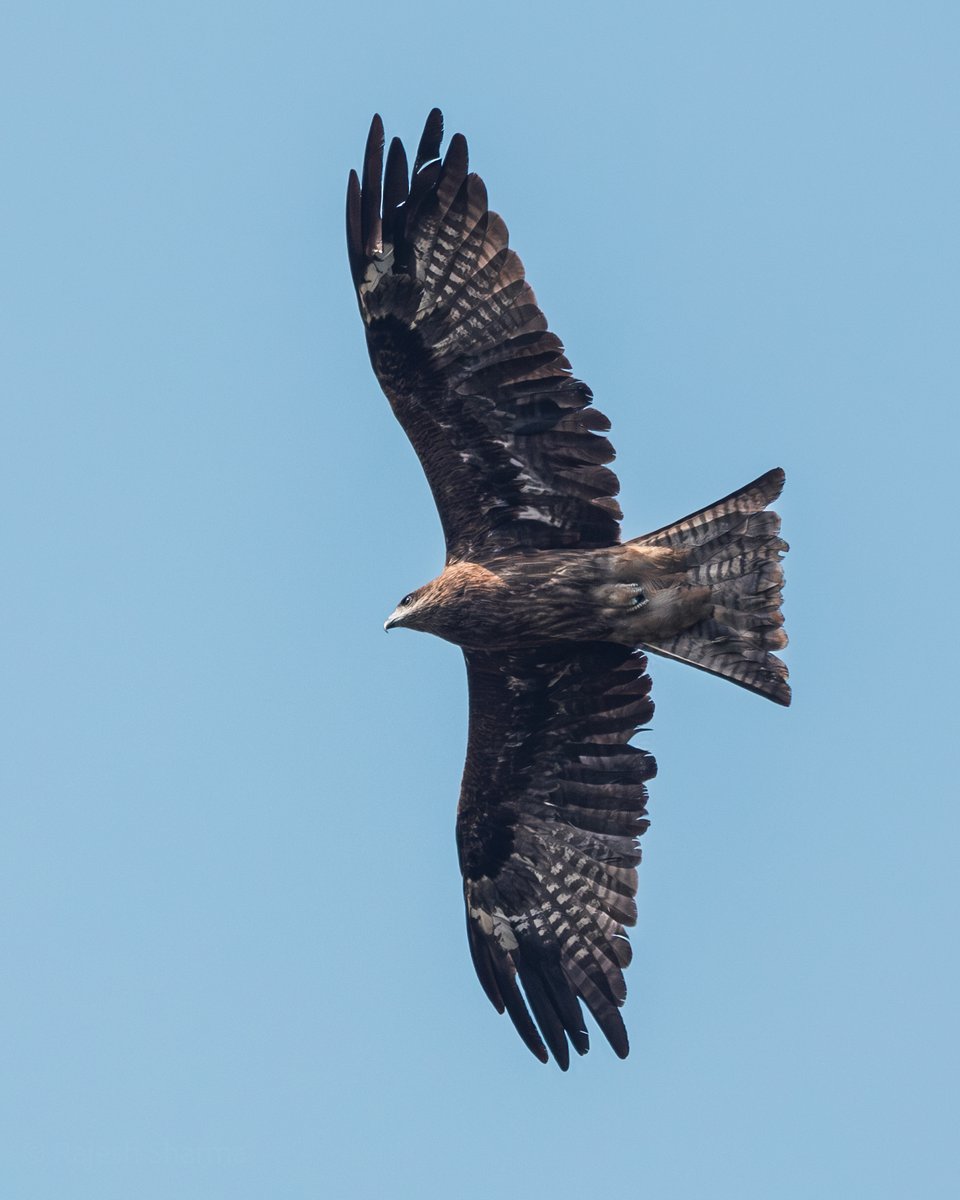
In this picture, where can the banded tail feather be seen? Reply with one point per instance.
(733, 547)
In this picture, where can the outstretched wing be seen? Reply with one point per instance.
(552, 802)
(506, 436)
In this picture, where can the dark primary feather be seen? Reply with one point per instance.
(507, 437)
(552, 802)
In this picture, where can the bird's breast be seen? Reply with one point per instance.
(517, 601)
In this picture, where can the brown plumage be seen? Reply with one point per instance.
(552, 611)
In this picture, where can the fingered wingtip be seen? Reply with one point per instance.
(430, 139)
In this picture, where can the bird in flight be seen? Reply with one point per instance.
(553, 611)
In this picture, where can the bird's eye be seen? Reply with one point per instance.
(408, 599)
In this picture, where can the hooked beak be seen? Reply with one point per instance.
(392, 620)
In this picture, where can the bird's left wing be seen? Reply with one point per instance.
(507, 437)
(552, 802)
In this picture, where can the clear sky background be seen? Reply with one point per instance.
(233, 951)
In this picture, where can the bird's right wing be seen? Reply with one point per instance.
(552, 802)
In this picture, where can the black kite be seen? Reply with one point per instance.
(552, 610)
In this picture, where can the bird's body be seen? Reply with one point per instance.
(552, 611)
(625, 594)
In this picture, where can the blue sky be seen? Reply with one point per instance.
(232, 934)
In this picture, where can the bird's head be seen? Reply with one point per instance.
(442, 606)
(407, 611)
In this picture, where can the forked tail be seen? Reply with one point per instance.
(734, 548)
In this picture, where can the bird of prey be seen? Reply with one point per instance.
(553, 612)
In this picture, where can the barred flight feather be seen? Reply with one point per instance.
(735, 547)
(463, 352)
(562, 875)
